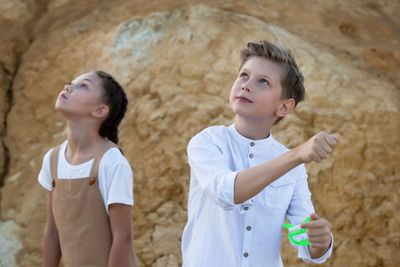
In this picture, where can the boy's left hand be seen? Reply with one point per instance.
(319, 235)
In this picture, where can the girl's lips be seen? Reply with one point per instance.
(63, 95)
(244, 99)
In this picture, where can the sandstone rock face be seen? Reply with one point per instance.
(177, 61)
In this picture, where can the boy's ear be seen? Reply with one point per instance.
(285, 107)
(101, 111)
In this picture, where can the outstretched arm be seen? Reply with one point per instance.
(121, 227)
(51, 244)
(251, 181)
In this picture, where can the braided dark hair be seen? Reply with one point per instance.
(115, 98)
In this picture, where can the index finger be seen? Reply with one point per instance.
(313, 224)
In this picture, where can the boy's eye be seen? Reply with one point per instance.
(244, 75)
(82, 85)
(264, 82)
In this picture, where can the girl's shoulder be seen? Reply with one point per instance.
(112, 157)
(47, 156)
(113, 165)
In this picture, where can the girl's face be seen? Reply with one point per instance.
(81, 97)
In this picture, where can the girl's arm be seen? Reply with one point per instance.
(121, 227)
(51, 245)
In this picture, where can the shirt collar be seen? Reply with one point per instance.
(257, 143)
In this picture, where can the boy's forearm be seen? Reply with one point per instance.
(251, 181)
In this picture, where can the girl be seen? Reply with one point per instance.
(89, 180)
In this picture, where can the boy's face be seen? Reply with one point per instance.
(256, 93)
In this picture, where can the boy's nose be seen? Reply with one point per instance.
(245, 88)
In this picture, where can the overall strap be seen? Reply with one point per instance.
(96, 162)
(53, 165)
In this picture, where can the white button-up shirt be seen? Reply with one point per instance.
(221, 233)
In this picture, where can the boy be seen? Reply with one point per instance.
(243, 182)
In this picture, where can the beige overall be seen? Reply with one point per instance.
(81, 218)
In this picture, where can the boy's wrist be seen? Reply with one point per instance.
(318, 252)
(296, 156)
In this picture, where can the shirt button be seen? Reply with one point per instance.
(246, 254)
(248, 228)
(252, 144)
(251, 155)
(246, 208)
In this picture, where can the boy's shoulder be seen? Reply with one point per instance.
(214, 132)
(222, 133)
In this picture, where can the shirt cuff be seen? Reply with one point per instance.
(304, 254)
(225, 190)
(45, 185)
(128, 202)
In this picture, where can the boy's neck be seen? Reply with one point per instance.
(253, 129)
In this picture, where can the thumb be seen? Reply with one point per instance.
(335, 137)
(314, 216)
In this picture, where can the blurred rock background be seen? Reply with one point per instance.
(177, 61)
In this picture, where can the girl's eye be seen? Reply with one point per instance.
(244, 75)
(264, 82)
(82, 85)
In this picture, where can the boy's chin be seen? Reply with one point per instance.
(241, 111)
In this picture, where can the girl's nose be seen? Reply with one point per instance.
(67, 88)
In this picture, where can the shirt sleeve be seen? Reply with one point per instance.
(301, 207)
(44, 176)
(210, 170)
(121, 183)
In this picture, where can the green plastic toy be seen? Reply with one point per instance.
(297, 230)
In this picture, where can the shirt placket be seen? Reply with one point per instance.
(247, 235)
(248, 209)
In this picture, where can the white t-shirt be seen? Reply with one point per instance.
(222, 233)
(114, 175)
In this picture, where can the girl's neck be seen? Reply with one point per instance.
(83, 138)
(252, 128)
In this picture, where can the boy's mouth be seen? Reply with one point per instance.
(244, 99)
(63, 95)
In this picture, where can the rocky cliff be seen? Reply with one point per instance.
(177, 61)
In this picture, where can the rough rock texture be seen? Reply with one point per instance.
(177, 61)
(10, 243)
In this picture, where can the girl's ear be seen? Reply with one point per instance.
(100, 112)
(285, 107)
